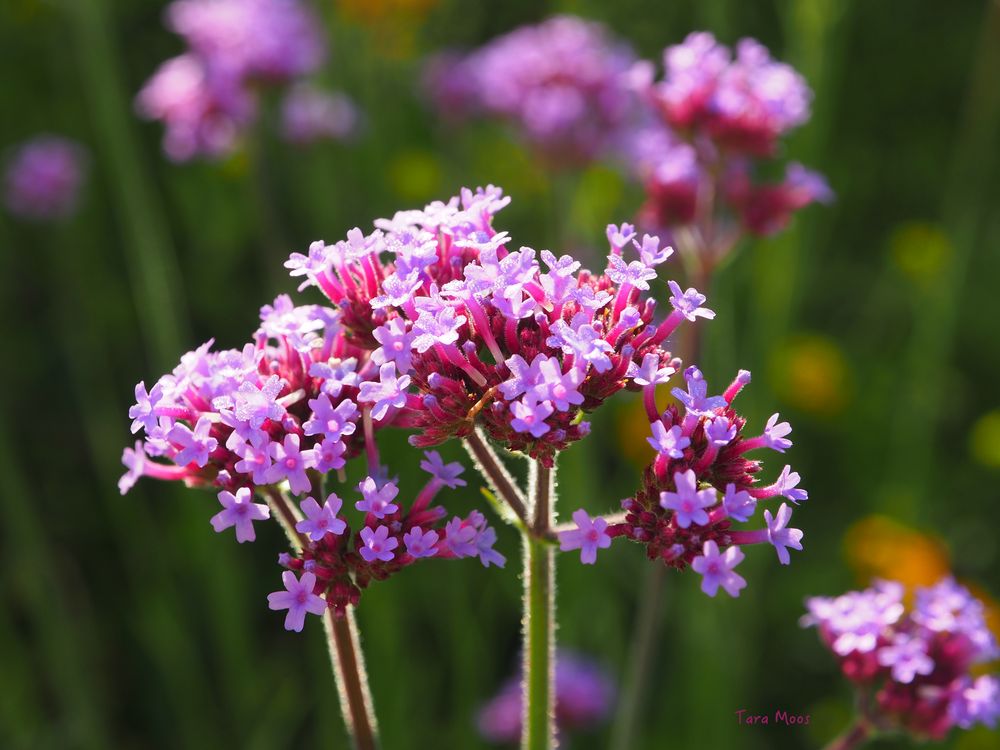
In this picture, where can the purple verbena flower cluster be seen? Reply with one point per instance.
(585, 696)
(469, 332)
(700, 482)
(716, 120)
(310, 114)
(206, 97)
(43, 178)
(562, 83)
(288, 408)
(918, 663)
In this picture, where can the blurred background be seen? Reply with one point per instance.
(870, 325)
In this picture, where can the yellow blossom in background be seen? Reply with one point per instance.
(632, 426)
(811, 373)
(392, 23)
(920, 251)
(984, 440)
(879, 547)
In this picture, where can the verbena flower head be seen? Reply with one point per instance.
(472, 332)
(714, 124)
(206, 97)
(585, 696)
(43, 178)
(561, 83)
(919, 664)
(701, 482)
(278, 415)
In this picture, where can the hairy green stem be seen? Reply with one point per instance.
(348, 661)
(496, 475)
(539, 618)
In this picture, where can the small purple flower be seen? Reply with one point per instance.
(377, 545)
(330, 455)
(978, 701)
(254, 405)
(719, 431)
(740, 505)
(907, 655)
(298, 598)
(397, 344)
(333, 423)
(143, 414)
(485, 540)
(619, 237)
(650, 251)
(530, 416)
(440, 327)
(689, 303)
(695, 399)
(717, 569)
(588, 536)
(460, 537)
(240, 511)
(134, 460)
(321, 520)
(291, 463)
(377, 500)
(336, 375)
(780, 536)
(787, 483)
(774, 434)
(583, 341)
(390, 391)
(195, 444)
(255, 457)
(650, 372)
(555, 386)
(688, 503)
(670, 442)
(420, 543)
(636, 273)
(446, 474)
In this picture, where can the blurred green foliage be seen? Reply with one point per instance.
(872, 325)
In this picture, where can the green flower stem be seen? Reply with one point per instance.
(855, 736)
(539, 619)
(344, 643)
(495, 473)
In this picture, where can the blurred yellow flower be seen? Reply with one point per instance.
(811, 373)
(879, 547)
(984, 440)
(633, 429)
(920, 251)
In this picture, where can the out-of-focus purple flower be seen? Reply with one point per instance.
(310, 114)
(204, 111)
(43, 178)
(585, 696)
(447, 474)
(298, 598)
(240, 511)
(917, 664)
(420, 543)
(563, 83)
(271, 40)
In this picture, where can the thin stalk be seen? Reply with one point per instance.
(539, 619)
(496, 475)
(853, 737)
(346, 657)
